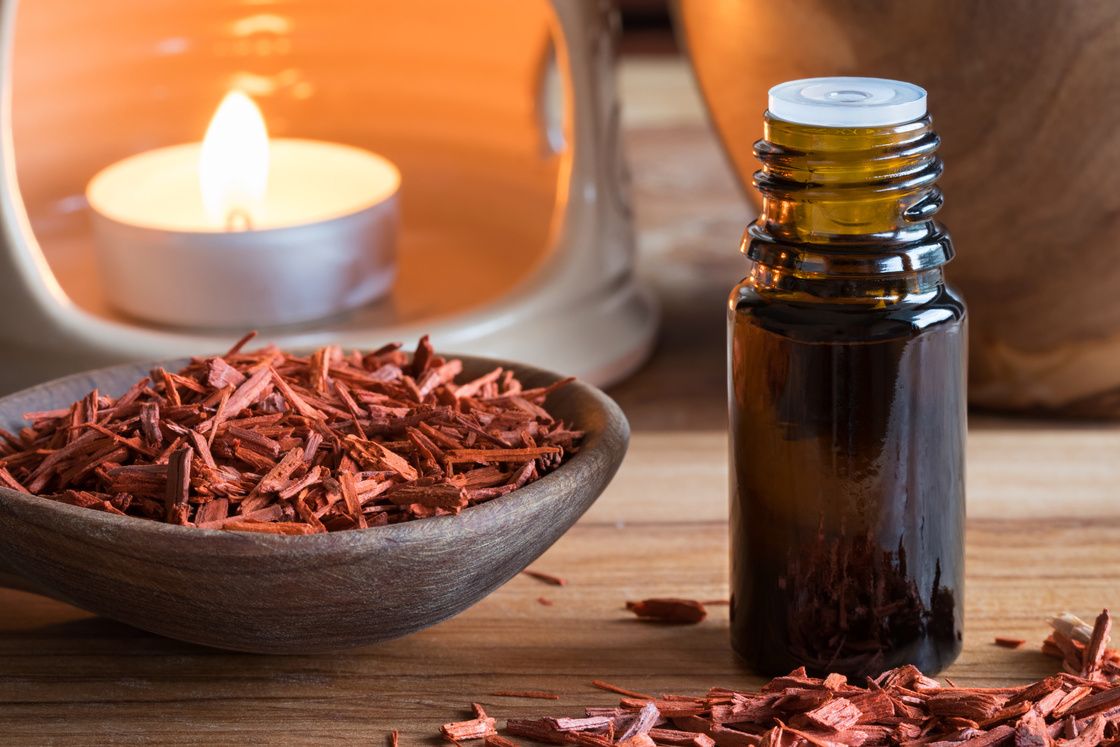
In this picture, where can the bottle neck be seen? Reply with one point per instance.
(847, 213)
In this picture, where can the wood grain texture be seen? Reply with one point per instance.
(659, 530)
(1021, 95)
(276, 594)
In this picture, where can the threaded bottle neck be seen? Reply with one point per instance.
(840, 204)
(823, 185)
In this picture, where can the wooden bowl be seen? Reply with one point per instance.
(302, 594)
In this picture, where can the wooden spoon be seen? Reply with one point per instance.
(283, 594)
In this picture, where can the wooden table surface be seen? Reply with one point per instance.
(1043, 536)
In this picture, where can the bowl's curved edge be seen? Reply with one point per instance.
(591, 469)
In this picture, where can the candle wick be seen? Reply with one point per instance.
(239, 219)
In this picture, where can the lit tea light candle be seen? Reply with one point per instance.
(240, 230)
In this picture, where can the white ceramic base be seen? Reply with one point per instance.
(602, 340)
(514, 243)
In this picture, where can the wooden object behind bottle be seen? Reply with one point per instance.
(1023, 100)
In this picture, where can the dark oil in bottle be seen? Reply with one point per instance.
(847, 410)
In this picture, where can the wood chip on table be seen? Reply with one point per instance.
(548, 578)
(1094, 650)
(1069, 701)
(667, 707)
(648, 716)
(476, 728)
(975, 706)
(1083, 647)
(638, 740)
(1047, 703)
(590, 723)
(680, 738)
(544, 730)
(498, 741)
(620, 690)
(901, 707)
(1010, 642)
(1031, 731)
(669, 610)
(1107, 700)
(835, 714)
(534, 729)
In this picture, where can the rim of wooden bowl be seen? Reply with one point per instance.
(615, 428)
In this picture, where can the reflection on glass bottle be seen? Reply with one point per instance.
(847, 402)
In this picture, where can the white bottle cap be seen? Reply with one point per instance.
(847, 102)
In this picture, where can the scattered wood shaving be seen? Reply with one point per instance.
(1010, 642)
(621, 691)
(548, 578)
(1083, 647)
(1071, 626)
(900, 707)
(669, 610)
(495, 741)
(476, 728)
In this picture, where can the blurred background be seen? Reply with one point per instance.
(516, 243)
(689, 214)
(1025, 100)
(647, 28)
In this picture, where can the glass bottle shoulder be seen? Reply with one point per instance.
(941, 308)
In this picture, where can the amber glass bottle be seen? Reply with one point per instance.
(847, 392)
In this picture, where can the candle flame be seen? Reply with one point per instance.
(233, 166)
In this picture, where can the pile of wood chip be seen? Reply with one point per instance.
(266, 441)
(1081, 647)
(901, 707)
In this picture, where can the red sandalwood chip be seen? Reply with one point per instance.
(267, 441)
(900, 707)
(669, 610)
